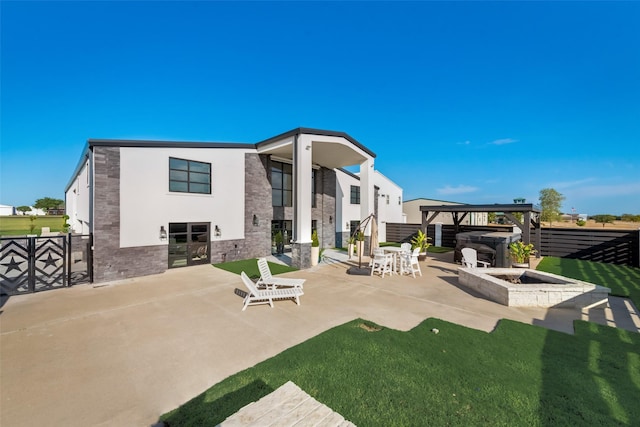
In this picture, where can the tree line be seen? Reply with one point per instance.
(550, 201)
(45, 203)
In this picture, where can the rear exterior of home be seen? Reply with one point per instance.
(154, 205)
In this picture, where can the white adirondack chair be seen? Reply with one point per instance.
(266, 296)
(470, 258)
(409, 263)
(381, 263)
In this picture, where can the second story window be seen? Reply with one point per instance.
(355, 195)
(189, 176)
(281, 184)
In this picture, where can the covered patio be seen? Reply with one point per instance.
(529, 226)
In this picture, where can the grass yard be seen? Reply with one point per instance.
(623, 281)
(250, 267)
(20, 225)
(519, 375)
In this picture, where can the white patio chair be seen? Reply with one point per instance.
(266, 296)
(410, 264)
(381, 263)
(406, 247)
(470, 258)
(267, 280)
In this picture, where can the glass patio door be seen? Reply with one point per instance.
(189, 244)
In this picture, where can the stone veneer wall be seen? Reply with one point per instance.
(301, 255)
(257, 201)
(326, 207)
(110, 262)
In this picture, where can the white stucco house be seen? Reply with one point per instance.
(154, 205)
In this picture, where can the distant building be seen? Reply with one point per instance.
(6, 210)
(33, 211)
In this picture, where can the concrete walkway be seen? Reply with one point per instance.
(125, 352)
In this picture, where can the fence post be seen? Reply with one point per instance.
(31, 266)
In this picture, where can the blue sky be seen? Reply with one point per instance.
(476, 102)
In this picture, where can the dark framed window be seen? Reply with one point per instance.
(189, 176)
(355, 195)
(281, 184)
(313, 187)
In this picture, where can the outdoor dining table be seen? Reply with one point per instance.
(395, 251)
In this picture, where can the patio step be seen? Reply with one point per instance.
(618, 312)
(287, 406)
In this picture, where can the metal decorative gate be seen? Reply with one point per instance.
(33, 264)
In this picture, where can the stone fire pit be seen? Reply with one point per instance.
(517, 287)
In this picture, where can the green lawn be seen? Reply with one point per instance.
(623, 281)
(250, 267)
(519, 375)
(19, 225)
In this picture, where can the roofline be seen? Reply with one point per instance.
(351, 174)
(511, 207)
(83, 156)
(434, 200)
(311, 131)
(165, 144)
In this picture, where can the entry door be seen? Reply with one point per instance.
(189, 244)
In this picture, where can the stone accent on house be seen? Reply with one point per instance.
(301, 255)
(257, 201)
(325, 211)
(228, 250)
(110, 262)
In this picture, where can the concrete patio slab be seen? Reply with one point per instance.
(125, 352)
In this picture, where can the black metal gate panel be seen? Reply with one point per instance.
(33, 264)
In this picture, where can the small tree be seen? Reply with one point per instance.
(32, 223)
(630, 218)
(23, 209)
(65, 224)
(47, 203)
(550, 202)
(491, 217)
(604, 219)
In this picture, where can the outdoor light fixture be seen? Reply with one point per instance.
(330, 219)
(217, 231)
(256, 222)
(163, 233)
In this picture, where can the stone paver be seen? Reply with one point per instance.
(125, 352)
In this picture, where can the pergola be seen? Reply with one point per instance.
(530, 213)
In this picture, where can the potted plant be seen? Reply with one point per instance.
(520, 253)
(351, 244)
(279, 242)
(65, 225)
(315, 248)
(420, 240)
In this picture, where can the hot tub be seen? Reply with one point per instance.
(517, 287)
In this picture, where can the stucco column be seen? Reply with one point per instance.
(366, 190)
(302, 173)
(367, 197)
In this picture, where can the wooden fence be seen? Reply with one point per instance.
(610, 246)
